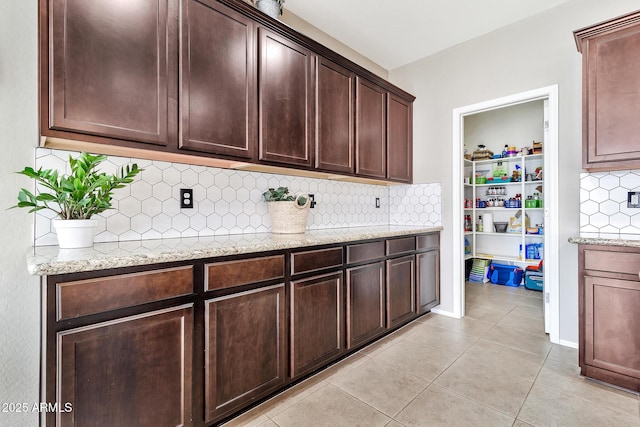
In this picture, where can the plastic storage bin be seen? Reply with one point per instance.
(534, 278)
(509, 275)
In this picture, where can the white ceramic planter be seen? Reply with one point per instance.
(270, 7)
(75, 233)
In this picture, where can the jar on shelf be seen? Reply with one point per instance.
(467, 223)
(480, 226)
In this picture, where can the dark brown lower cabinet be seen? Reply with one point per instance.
(126, 372)
(245, 349)
(427, 280)
(317, 322)
(365, 303)
(609, 311)
(401, 290)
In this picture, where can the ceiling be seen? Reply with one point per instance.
(394, 33)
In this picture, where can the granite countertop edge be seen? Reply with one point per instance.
(51, 260)
(606, 241)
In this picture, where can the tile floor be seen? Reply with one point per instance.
(495, 367)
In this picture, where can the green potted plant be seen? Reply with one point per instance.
(273, 8)
(288, 213)
(75, 197)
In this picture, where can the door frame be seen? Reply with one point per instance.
(551, 245)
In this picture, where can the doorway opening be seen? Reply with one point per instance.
(547, 97)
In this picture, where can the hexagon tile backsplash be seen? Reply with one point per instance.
(230, 202)
(603, 202)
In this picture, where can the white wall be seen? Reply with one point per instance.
(19, 292)
(534, 53)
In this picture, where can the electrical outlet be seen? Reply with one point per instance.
(312, 203)
(633, 199)
(377, 202)
(186, 198)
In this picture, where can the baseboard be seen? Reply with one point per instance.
(568, 343)
(438, 310)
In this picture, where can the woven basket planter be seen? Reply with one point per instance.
(289, 217)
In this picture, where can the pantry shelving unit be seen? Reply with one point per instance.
(509, 247)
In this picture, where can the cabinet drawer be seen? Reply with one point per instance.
(91, 296)
(429, 241)
(365, 252)
(400, 246)
(228, 274)
(302, 262)
(615, 262)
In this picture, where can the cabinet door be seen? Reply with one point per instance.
(370, 129)
(218, 101)
(611, 88)
(131, 371)
(286, 112)
(245, 347)
(365, 303)
(399, 139)
(335, 138)
(401, 290)
(113, 69)
(316, 322)
(428, 280)
(611, 325)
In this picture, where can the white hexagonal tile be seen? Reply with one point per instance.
(141, 223)
(129, 206)
(222, 179)
(630, 181)
(599, 195)
(235, 207)
(620, 220)
(151, 207)
(434, 199)
(171, 207)
(599, 220)
(171, 176)
(589, 207)
(189, 178)
(118, 223)
(609, 207)
(198, 222)
(161, 223)
(214, 222)
(151, 175)
(206, 179)
(161, 191)
(141, 190)
(589, 182)
(609, 182)
(180, 222)
(206, 207)
(228, 194)
(222, 207)
(229, 221)
(214, 194)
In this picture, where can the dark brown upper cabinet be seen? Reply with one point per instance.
(399, 139)
(112, 69)
(611, 93)
(286, 101)
(218, 104)
(335, 117)
(371, 133)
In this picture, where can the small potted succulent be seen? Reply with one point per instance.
(76, 197)
(273, 8)
(288, 213)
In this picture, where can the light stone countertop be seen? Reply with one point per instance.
(49, 260)
(607, 239)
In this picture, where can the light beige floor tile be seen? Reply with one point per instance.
(492, 316)
(523, 324)
(494, 304)
(529, 311)
(507, 361)
(269, 423)
(252, 418)
(342, 366)
(439, 407)
(533, 301)
(394, 423)
(330, 407)
(486, 386)
(564, 354)
(443, 339)
(382, 344)
(519, 340)
(291, 396)
(550, 407)
(468, 326)
(520, 423)
(566, 378)
(379, 385)
(417, 359)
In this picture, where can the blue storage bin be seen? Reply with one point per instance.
(509, 275)
(534, 280)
